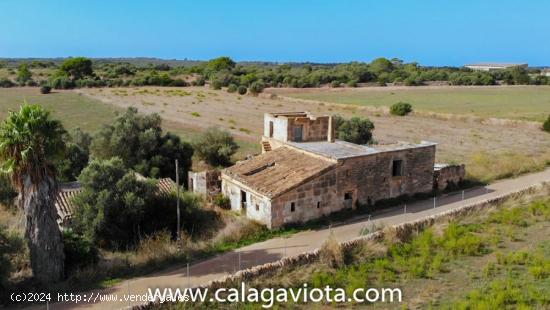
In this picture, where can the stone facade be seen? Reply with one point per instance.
(335, 175)
(298, 127)
(364, 180)
(204, 182)
(448, 175)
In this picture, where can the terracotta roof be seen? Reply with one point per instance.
(275, 172)
(63, 204)
(66, 191)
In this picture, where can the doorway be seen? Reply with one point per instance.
(298, 133)
(243, 200)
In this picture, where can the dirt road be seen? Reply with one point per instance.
(274, 249)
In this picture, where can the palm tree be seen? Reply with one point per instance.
(30, 141)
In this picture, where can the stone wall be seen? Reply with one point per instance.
(364, 180)
(205, 182)
(448, 175)
(257, 207)
(313, 129)
(401, 230)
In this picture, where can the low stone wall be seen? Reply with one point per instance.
(401, 231)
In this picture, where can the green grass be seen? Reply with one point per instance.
(495, 258)
(72, 109)
(522, 102)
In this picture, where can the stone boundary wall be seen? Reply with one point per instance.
(400, 231)
(386, 111)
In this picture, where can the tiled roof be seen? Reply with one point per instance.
(66, 191)
(275, 172)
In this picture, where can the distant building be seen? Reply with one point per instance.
(304, 173)
(545, 72)
(494, 66)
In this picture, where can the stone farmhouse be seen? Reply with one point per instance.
(304, 173)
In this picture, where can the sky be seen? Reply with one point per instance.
(430, 32)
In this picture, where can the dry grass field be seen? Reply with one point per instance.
(513, 102)
(491, 151)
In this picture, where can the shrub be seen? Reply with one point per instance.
(232, 88)
(222, 201)
(400, 108)
(355, 130)
(216, 84)
(546, 124)
(79, 251)
(45, 89)
(257, 87)
(5, 82)
(23, 74)
(61, 82)
(335, 84)
(331, 252)
(216, 146)
(10, 245)
(112, 203)
(241, 90)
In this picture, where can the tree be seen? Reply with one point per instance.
(139, 141)
(546, 124)
(216, 146)
(112, 203)
(220, 64)
(380, 65)
(23, 74)
(77, 155)
(355, 130)
(400, 108)
(30, 142)
(77, 68)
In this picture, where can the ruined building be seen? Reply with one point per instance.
(304, 173)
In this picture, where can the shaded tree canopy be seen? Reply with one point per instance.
(356, 130)
(139, 141)
(112, 203)
(77, 68)
(77, 155)
(216, 146)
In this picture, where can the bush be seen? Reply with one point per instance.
(216, 146)
(79, 251)
(61, 82)
(141, 144)
(112, 204)
(400, 108)
(10, 245)
(331, 252)
(241, 90)
(5, 82)
(546, 124)
(257, 87)
(232, 88)
(216, 84)
(355, 130)
(222, 201)
(45, 89)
